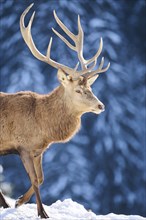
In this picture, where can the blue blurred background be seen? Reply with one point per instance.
(104, 166)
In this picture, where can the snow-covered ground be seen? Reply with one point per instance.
(66, 210)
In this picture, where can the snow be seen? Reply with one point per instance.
(60, 210)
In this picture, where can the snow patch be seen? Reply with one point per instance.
(66, 210)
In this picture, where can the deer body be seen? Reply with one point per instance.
(31, 122)
(41, 120)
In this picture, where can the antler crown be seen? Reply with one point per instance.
(87, 65)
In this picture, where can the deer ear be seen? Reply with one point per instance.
(62, 77)
(92, 80)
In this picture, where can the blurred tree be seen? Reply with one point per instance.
(103, 167)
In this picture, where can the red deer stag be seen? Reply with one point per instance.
(31, 122)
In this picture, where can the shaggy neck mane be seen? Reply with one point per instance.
(63, 122)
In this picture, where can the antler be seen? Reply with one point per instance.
(78, 40)
(26, 33)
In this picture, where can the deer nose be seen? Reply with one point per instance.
(101, 107)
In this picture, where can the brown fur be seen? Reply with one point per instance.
(41, 120)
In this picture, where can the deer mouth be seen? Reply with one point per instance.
(97, 111)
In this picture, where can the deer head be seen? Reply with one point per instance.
(76, 83)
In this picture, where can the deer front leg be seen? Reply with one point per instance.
(28, 162)
(38, 168)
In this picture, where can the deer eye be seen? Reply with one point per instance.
(78, 91)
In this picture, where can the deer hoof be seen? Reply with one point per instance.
(5, 205)
(19, 202)
(43, 214)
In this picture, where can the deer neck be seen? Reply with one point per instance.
(62, 121)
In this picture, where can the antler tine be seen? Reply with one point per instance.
(64, 28)
(64, 40)
(26, 33)
(80, 44)
(49, 48)
(96, 72)
(22, 25)
(80, 31)
(101, 63)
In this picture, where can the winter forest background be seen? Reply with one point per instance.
(104, 166)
